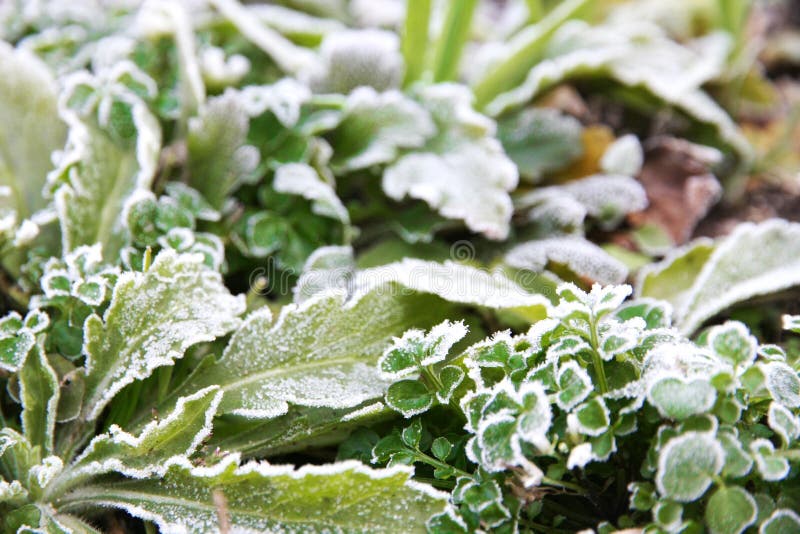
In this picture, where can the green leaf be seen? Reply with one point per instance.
(412, 434)
(260, 497)
(358, 58)
(375, 127)
(574, 384)
(686, 464)
(302, 179)
(738, 462)
(31, 132)
(441, 448)
(151, 321)
(461, 174)
(111, 157)
(672, 278)
(219, 158)
(724, 278)
(591, 418)
(679, 398)
(783, 422)
(540, 140)
(770, 466)
(319, 353)
(39, 391)
(782, 521)
(178, 434)
(783, 383)
(730, 511)
(733, 343)
(643, 496)
(415, 349)
(409, 397)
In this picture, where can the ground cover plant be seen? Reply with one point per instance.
(386, 266)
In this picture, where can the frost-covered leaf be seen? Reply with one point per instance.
(781, 521)
(783, 422)
(111, 156)
(375, 126)
(219, 158)
(451, 281)
(331, 267)
(639, 56)
(416, 349)
(591, 418)
(409, 397)
(791, 322)
(179, 433)
(38, 391)
(31, 131)
(730, 511)
(540, 140)
(152, 319)
(770, 466)
(623, 157)
(579, 255)
(686, 465)
(506, 417)
(671, 279)
(356, 58)
(463, 172)
(677, 398)
(271, 498)
(738, 462)
(725, 278)
(302, 179)
(733, 343)
(469, 183)
(783, 383)
(319, 353)
(574, 384)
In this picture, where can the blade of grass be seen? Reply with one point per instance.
(450, 45)
(415, 38)
(526, 49)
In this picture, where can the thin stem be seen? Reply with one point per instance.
(535, 10)
(525, 50)
(415, 38)
(433, 462)
(450, 44)
(597, 361)
(566, 485)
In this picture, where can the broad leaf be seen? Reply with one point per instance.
(152, 319)
(687, 464)
(111, 156)
(178, 434)
(38, 390)
(347, 497)
(730, 511)
(773, 248)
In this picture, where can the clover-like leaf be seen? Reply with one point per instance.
(417, 349)
(574, 384)
(409, 397)
(733, 343)
(686, 465)
(782, 383)
(679, 398)
(781, 521)
(738, 462)
(730, 510)
(783, 422)
(770, 466)
(591, 418)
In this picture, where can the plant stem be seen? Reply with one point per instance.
(566, 485)
(433, 462)
(597, 361)
(525, 51)
(450, 44)
(415, 38)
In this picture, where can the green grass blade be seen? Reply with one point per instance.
(415, 38)
(450, 44)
